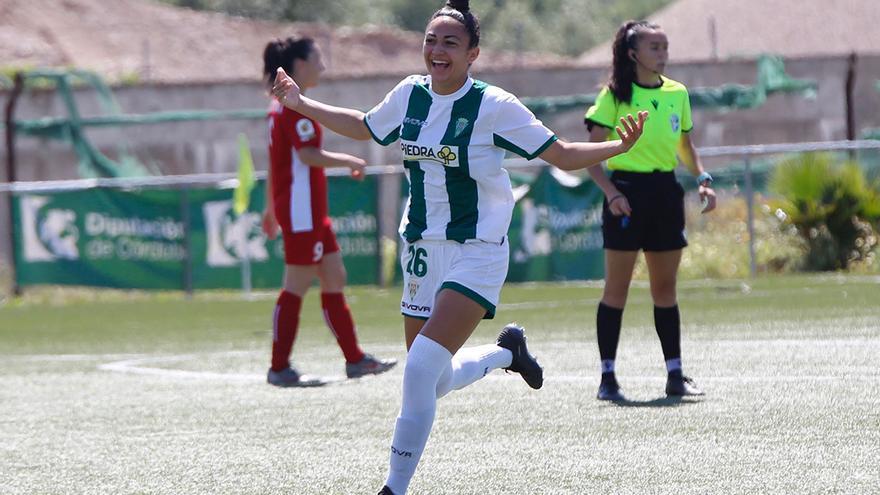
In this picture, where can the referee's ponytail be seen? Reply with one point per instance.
(623, 67)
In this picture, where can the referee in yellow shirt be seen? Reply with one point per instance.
(644, 204)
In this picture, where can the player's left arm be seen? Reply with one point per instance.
(579, 155)
(687, 152)
(318, 157)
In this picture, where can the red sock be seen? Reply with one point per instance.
(284, 327)
(338, 318)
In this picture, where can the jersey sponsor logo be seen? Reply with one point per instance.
(414, 121)
(305, 129)
(460, 125)
(444, 155)
(675, 122)
(656, 104)
(415, 307)
(48, 233)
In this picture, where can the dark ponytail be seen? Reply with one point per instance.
(623, 68)
(282, 53)
(460, 10)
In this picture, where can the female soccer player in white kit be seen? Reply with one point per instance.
(453, 132)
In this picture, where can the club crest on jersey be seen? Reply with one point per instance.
(442, 154)
(675, 122)
(305, 129)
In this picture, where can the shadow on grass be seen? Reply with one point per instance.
(659, 402)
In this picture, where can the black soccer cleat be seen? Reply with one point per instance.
(609, 388)
(678, 385)
(386, 491)
(513, 338)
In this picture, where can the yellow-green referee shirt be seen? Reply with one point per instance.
(670, 115)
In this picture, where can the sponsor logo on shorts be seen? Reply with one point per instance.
(415, 307)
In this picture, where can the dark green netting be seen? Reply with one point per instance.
(771, 78)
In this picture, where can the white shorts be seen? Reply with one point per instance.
(475, 269)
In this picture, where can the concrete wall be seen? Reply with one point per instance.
(197, 147)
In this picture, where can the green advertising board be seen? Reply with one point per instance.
(175, 239)
(100, 237)
(556, 231)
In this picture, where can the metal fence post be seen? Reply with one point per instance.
(187, 280)
(750, 209)
(9, 121)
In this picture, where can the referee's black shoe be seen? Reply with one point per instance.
(609, 389)
(513, 338)
(385, 491)
(678, 385)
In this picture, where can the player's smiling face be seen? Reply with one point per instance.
(447, 55)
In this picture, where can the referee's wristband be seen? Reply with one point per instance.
(704, 177)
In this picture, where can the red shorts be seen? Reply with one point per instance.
(309, 248)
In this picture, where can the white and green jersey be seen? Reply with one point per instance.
(453, 147)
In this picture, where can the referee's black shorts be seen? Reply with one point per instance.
(657, 220)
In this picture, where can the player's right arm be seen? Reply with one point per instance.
(279, 154)
(345, 121)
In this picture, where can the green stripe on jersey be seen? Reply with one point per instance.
(460, 187)
(507, 145)
(416, 112)
(390, 138)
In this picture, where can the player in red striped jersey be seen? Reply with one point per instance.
(296, 202)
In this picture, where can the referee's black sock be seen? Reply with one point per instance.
(608, 334)
(667, 322)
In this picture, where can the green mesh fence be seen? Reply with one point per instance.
(771, 78)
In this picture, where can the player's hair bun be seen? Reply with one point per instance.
(462, 6)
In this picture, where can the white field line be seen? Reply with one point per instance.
(140, 366)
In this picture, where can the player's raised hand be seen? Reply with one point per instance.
(630, 130)
(285, 89)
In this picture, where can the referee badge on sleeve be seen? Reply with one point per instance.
(675, 122)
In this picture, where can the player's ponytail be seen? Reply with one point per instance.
(460, 10)
(623, 67)
(273, 57)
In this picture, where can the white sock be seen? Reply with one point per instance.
(673, 364)
(425, 363)
(607, 366)
(470, 364)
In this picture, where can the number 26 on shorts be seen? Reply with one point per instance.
(417, 264)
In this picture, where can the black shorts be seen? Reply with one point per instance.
(657, 220)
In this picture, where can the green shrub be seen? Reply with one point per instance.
(831, 206)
